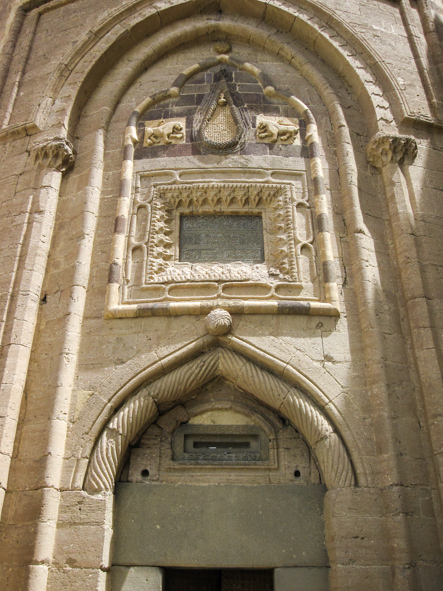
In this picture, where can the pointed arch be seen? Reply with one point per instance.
(341, 44)
(141, 409)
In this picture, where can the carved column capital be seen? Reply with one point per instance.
(385, 149)
(57, 153)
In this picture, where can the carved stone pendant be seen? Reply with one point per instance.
(220, 126)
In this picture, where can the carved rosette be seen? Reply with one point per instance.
(218, 322)
(57, 153)
(386, 149)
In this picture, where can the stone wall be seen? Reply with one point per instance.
(358, 378)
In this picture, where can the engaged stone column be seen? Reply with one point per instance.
(136, 578)
(392, 155)
(51, 158)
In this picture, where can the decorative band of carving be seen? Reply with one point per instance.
(140, 409)
(385, 149)
(57, 153)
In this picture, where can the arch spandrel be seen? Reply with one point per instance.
(140, 409)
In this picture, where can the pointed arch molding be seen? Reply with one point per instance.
(141, 409)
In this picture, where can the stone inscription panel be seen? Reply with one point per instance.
(221, 238)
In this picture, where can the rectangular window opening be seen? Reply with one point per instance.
(225, 445)
(196, 443)
(209, 444)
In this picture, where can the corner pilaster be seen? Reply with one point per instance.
(49, 160)
(392, 155)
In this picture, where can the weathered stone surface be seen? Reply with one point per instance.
(219, 526)
(300, 579)
(359, 378)
(136, 578)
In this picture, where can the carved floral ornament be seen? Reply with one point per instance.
(385, 149)
(141, 409)
(145, 252)
(57, 153)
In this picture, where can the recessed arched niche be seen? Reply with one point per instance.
(211, 481)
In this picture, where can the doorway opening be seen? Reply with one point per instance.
(184, 579)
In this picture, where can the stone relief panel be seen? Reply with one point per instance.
(164, 132)
(210, 239)
(227, 236)
(220, 127)
(276, 130)
(220, 110)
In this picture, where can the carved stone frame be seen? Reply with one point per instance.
(166, 203)
(116, 306)
(180, 455)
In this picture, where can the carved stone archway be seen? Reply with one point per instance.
(137, 412)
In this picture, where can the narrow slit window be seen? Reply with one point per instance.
(228, 445)
(220, 443)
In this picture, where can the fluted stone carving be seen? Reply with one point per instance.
(385, 149)
(114, 441)
(57, 153)
(218, 322)
(141, 408)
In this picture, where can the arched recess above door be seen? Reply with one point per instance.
(141, 408)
